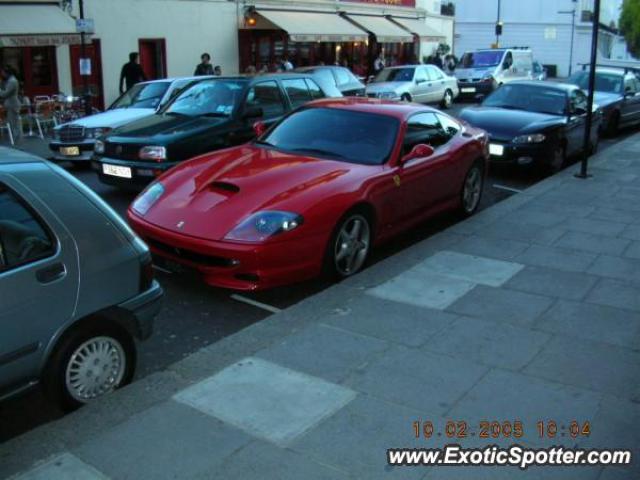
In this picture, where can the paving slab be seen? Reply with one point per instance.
(615, 293)
(324, 351)
(488, 343)
(390, 321)
(168, 441)
(523, 232)
(502, 305)
(417, 379)
(566, 259)
(423, 289)
(616, 267)
(588, 242)
(552, 282)
(266, 400)
(633, 251)
(600, 367)
(631, 232)
(490, 248)
(62, 467)
(592, 322)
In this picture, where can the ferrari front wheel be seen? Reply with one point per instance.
(349, 246)
(472, 189)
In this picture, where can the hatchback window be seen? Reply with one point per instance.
(314, 89)
(23, 238)
(297, 91)
(266, 95)
(434, 74)
(424, 128)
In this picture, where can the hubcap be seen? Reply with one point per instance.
(352, 245)
(95, 368)
(472, 189)
(447, 99)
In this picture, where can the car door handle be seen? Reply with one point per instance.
(51, 273)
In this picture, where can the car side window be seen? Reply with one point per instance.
(314, 89)
(450, 126)
(630, 85)
(421, 74)
(578, 101)
(297, 91)
(266, 95)
(424, 128)
(508, 60)
(434, 73)
(342, 76)
(23, 236)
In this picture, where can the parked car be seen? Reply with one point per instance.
(538, 72)
(482, 71)
(74, 141)
(314, 193)
(335, 77)
(211, 115)
(76, 286)
(617, 93)
(534, 123)
(414, 83)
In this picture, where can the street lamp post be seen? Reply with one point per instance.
(586, 144)
(86, 97)
(498, 26)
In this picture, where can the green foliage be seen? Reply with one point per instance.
(630, 25)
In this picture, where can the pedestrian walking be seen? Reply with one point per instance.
(378, 63)
(286, 64)
(131, 72)
(9, 88)
(204, 67)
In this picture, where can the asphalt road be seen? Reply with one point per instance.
(196, 315)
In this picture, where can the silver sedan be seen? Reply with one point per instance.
(414, 83)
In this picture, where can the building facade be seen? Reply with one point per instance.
(38, 37)
(544, 25)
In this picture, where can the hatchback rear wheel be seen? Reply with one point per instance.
(447, 100)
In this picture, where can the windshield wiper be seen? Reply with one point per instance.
(215, 114)
(176, 114)
(318, 151)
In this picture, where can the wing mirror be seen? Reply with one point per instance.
(259, 128)
(422, 150)
(253, 112)
(479, 98)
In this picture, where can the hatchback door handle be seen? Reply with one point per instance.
(51, 273)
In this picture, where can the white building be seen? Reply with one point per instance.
(38, 37)
(539, 25)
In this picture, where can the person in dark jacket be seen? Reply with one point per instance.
(204, 67)
(132, 72)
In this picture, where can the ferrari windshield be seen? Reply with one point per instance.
(533, 98)
(142, 95)
(605, 82)
(336, 134)
(487, 58)
(215, 98)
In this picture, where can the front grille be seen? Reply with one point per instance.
(190, 255)
(372, 95)
(71, 133)
(121, 151)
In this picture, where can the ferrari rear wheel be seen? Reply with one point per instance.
(350, 245)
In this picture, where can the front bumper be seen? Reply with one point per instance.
(142, 173)
(237, 266)
(522, 154)
(143, 308)
(471, 89)
(85, 150)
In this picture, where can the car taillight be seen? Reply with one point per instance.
(146, 272)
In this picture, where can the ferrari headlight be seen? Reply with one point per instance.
(260, 226)
(98, 147)
(148, 198)
(530, 138)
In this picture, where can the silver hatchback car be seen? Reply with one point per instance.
(76, 286)
(414, 83)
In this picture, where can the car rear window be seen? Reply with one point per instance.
(24, 238)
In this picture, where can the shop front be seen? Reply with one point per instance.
(352, 34)
(33, 54)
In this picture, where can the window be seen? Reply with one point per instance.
(209, 98)
(424, 128)
(508, 61)
(450, 126)
(23, 238)
(434, 74)
(578, 102)
(314, 89)
(342, 76)
(630, 85)
(142, 95)
(325, 75)
(421, 75)
(266, 95)
(297, 91)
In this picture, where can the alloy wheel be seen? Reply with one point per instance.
(472, 190)
(352, 245)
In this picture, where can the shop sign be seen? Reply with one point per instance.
(396, 3)
(39, 40)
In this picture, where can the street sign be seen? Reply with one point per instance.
(85, 25)
(85, 66)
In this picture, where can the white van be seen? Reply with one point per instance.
(482, 71)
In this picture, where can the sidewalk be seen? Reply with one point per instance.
(528, 311)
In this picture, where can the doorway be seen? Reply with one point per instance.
(153, 54)
(36, 68)
(93, 52)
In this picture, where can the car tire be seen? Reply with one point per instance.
(472, 188)
(405, 97)
(101, 354)
(613, 125)
(347, 251)
(447, 99)
(558, 161)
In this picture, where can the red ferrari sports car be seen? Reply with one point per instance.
(316, 191)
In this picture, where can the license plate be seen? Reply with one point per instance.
(496, 150)
(70, 151)
(116, 171)
(468, 90)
